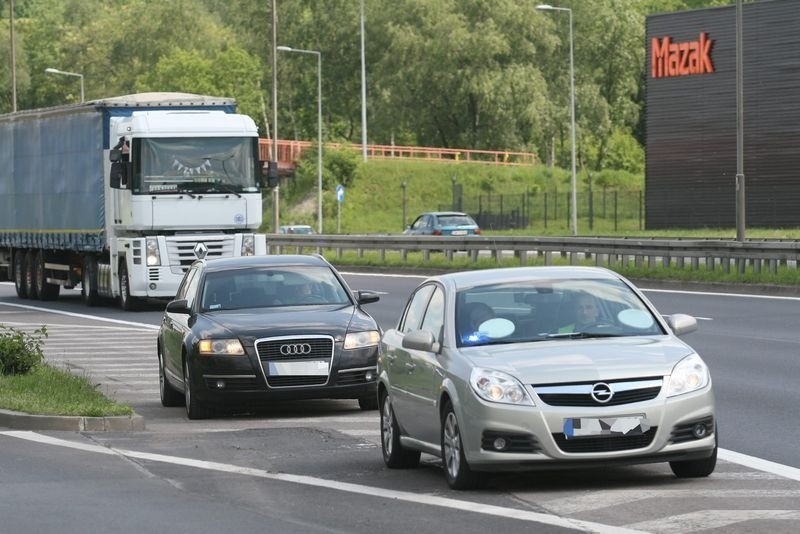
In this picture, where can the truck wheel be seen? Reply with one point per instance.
(89, 282)
(126, 301)
(44, 289)
(30, 274)
(20, 284)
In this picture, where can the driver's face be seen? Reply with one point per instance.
(586, 310)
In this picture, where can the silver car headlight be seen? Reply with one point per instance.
(357, 340)
(220, 347)
(153, 255)
(497, 386)
(248, 245)
(690, 374)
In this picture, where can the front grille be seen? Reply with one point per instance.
(234, 383)
(515, 442)
(589, 444)
(579, 394)
(270, 349)
(153, 274)
(682, 433)
(295, 381)
(180, 249)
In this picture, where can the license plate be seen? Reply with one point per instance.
(631, 425)
(458, 232)
(305, 368)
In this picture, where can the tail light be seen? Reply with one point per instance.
(477, 231)
(437, 231)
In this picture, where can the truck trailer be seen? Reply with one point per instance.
(122, 194)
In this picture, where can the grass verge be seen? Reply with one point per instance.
(46, 390)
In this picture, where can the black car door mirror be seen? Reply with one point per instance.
(365, 296)
(178, 306)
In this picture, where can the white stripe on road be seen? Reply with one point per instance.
(428, 500)
(713, 519)
(759, 464)
(80, 315)
(712, 294)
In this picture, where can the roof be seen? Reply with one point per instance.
(465, 279)
(277, 260)
(164, 99)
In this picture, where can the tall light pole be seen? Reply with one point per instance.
(740, 196)
(574, 210)
(51, 70)
(319, 126)
(363, 91)
(13, 58)
(276, 191)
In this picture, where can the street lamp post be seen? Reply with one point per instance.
(51, 70)
(574, 207)
(363, 91)
(319, 126)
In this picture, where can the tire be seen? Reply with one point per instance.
(126, 301)
(368, 403)
(395, 456)
(89, 282)
(20, 281)
(456, 469)
(44, 289)
(697, 468)
(30, 274)
(170, 397)
(194, 408)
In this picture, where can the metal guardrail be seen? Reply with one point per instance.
(608, 252)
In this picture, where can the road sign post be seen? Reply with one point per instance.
(339, 200)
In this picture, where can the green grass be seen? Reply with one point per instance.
(50, 391)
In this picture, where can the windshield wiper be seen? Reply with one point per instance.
(582, 335)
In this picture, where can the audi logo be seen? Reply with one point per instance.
(602, 392)
(295, 349)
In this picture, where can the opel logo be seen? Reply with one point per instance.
(602, 392)
(295, 349)
(200, 250)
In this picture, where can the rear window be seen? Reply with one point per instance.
(456, 220)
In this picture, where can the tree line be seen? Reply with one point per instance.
(477, 74)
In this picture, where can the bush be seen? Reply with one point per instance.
(20, 351)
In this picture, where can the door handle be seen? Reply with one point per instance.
(411, 367)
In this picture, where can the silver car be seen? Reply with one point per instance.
(542, 367)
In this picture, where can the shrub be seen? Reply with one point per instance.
(20, 351)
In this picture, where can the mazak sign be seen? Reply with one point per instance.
(669, 59)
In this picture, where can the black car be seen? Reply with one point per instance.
(254, 329)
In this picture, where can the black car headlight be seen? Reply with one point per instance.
(220, 347)
(357, 340)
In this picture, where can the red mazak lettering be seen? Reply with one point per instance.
(669, 59)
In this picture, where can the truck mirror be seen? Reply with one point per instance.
(114, 155)
(272, 174)
(119, 175)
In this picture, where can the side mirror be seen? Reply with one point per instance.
(421, 340)
(681, 324)
(272, 174)
(114, 155)
(178, 306)
(364, 296)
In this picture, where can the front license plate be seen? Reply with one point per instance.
(305, 368)
(631, 425)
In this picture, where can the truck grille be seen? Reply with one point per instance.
(181, 249)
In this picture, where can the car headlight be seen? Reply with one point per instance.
(357, 340)
(153, 255)
(220, 347)
(497, 386)
(248, 245)
(690, 374)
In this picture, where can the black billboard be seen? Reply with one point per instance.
(691, 116)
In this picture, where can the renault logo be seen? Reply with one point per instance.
(200, 250)
(295, 349)
(602, 392)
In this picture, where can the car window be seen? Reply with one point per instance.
(421, 222)
(181, 293)
(416, 309)
(191, 288)
(456, 220)
(434, 315)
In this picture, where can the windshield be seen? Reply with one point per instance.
(549, 310)
(294, 285)
(194, 165)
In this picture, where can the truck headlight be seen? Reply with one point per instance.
(220, 347)
(497, 386)
(153, 255)
(248, 245)
(690, 374)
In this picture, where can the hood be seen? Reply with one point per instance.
(584, 360)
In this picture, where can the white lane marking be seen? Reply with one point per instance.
(713, 294)
(81, 315)
(708, 519)
(430, 500)
(759, 464)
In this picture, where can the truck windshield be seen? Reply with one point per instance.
(194, 165)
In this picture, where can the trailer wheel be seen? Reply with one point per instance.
(126, 301)
(89, 282)
(30, 274)
(20, 283)
(44, 289)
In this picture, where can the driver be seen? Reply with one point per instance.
(586, 312)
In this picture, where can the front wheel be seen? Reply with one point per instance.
(89, 282)
(169, 396)
(456, 469)
(697, 468)
(126, 301)
(395, 455)
(368, 403)
(194, 408)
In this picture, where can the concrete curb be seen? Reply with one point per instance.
(26, 421)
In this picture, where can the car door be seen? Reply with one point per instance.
(425, 374)
(175, 325)
(399, 365)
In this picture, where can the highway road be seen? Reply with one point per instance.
(316, 465)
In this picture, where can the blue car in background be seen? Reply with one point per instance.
(443, 223)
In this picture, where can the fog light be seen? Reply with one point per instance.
(369, 376)
(220, 384)
(500, 444)
(153, 286)
(699, 430)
